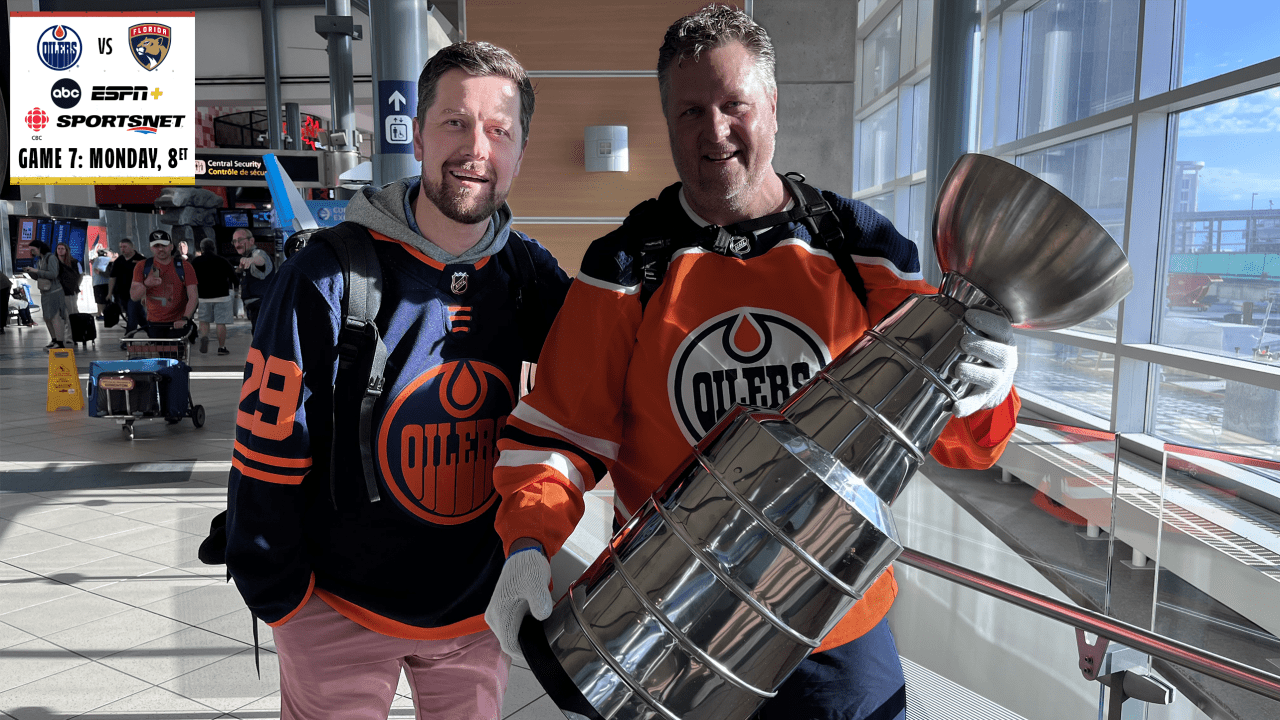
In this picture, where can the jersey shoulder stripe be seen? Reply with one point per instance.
(512, 431)
(597, 446)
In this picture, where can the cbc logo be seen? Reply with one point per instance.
(65, 93)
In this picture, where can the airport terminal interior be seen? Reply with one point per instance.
(1142, 485)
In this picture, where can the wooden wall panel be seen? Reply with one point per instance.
(577, 34)
(553, 181)
(567, 242)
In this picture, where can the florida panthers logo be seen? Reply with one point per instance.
(438, 441)
(150, 44)
(748, 356)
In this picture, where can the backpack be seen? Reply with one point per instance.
(177, 266)
(654, 247)
(69, 278)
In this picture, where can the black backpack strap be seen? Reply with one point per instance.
(361, 300)
(517, 260)
(182, 271)
(824, 226)
(651, 246)
(654, 249)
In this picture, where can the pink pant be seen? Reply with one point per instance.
(330, 667)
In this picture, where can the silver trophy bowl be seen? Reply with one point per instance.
(749, 554)
(1046, 261)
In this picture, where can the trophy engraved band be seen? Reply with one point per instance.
(734, 570)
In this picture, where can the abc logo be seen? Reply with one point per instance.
(65, 93)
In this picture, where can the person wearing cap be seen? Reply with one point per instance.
(167, 286)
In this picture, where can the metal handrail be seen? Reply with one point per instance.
(1188, 656)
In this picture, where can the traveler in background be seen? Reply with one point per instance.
(101, 280)
(611, 393)
(70, 278)
(311, 552)
(168, 288)
(6, 288)
(255, 269)
(120, 283)
(52, 299)
(215, 278)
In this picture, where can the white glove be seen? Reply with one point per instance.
(990, 380)
(523, 589)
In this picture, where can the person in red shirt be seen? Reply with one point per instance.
(168, 287)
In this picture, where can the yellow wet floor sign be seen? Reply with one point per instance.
(64, 381)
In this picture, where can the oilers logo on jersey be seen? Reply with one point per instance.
(437, 441)
(748, 356)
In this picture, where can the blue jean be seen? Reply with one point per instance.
(135, 315)
(860, 680)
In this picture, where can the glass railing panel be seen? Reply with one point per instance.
(1217, 570)
(972, 639)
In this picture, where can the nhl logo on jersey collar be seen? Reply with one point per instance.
(727, 243)
(459, 283)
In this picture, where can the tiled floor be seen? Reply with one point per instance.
(105, 612)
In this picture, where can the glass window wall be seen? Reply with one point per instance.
(880, 55)
(1221, 286)
(1218, 37)
(1079, 60)
(1067, 374)
(877, 163)
(1094, 172)
(1216, 413)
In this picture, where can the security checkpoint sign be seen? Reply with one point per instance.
(102, 98)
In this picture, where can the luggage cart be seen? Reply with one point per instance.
(153, 383)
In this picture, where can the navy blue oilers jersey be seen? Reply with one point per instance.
(421, 562)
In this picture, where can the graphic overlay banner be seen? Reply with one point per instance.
(102, 98)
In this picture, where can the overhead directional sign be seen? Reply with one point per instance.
(102, 98)
(397, 98)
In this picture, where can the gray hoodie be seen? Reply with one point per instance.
(388, 210)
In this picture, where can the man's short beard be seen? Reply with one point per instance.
(453, 205)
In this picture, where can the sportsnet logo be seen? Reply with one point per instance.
(747, 356)
(437, 443)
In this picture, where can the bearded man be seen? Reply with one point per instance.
(365, 568)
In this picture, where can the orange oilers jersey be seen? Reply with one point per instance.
(626, 390)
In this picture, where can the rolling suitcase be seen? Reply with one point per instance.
(83, 329)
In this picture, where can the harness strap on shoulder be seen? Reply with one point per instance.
(177, 266)
(361, 300)
(824, 225)
(655, 249)
(517, 260)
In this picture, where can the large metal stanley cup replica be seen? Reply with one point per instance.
(735, 570)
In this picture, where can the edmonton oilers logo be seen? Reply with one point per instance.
(59, 47)
(439, 440)
(747, 356)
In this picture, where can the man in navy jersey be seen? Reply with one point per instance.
(359, 581)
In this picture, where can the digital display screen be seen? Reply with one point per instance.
(235, 219)
(262, 218)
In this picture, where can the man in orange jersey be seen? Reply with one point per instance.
(360, 520)
(702, 300)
